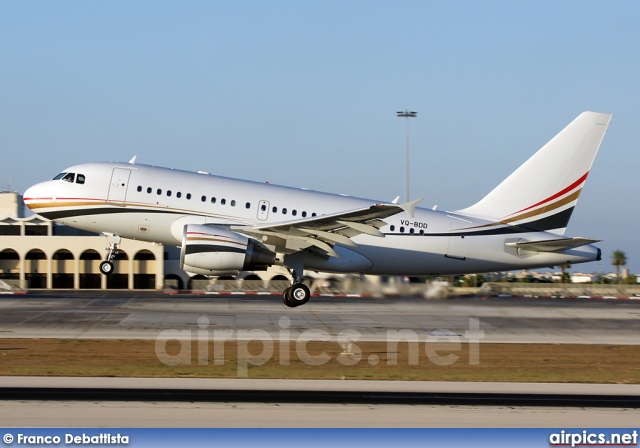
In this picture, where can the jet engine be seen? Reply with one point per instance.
(208, 250)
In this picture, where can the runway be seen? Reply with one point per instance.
(258, 412)
(298, 415)
(136, 315)
(271, 415)
(144, 315)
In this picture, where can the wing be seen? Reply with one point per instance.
(322, 232)
(555, 245)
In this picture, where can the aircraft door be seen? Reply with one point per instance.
(118, 186)
(263, 210)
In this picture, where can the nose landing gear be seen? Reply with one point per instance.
(106, 267)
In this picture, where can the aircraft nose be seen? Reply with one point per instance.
(31, 195)
(29, 192)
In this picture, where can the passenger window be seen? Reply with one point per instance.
(80, 179)
(233, 203)
(392, 228)
(149, 190)
(213, 200)
(421, 232)
(294, 212)
(313, 214)
(168, 192)
(411, 231)
(247, 205)
(401, 229)
(284, 211)
(139, 188)
(203, 199)
(274, 209)
(188, 196)
(304, 214)
(263, 208)
(178, 195)
(69, 177)
(159, 192)
(223, 201)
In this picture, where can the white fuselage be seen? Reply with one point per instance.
(154, 204)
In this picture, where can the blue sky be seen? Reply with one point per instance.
(304, 93)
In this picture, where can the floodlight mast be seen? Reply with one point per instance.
(406, 115)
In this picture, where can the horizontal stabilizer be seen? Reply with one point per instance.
(555, 245)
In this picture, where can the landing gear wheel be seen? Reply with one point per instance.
(296, 295)
(286, 298)
(106, 267)
(299, 294)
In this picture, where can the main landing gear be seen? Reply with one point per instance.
(298, 293)
(106, 267)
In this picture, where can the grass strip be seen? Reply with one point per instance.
(557, 363)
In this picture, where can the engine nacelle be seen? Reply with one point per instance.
(215, 251)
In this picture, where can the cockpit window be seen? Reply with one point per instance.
(70, 177)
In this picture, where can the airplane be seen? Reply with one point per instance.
(225, 225)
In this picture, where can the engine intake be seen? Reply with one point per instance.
(215, 251)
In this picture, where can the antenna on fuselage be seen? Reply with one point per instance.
(133, 160)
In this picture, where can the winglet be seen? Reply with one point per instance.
(133, 160)
(410, 206)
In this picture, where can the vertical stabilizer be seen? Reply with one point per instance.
(542, 193)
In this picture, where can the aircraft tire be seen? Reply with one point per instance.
(299, 294)
(106, 268)
(286, 298)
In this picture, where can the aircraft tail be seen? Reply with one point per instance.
(542, 193)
